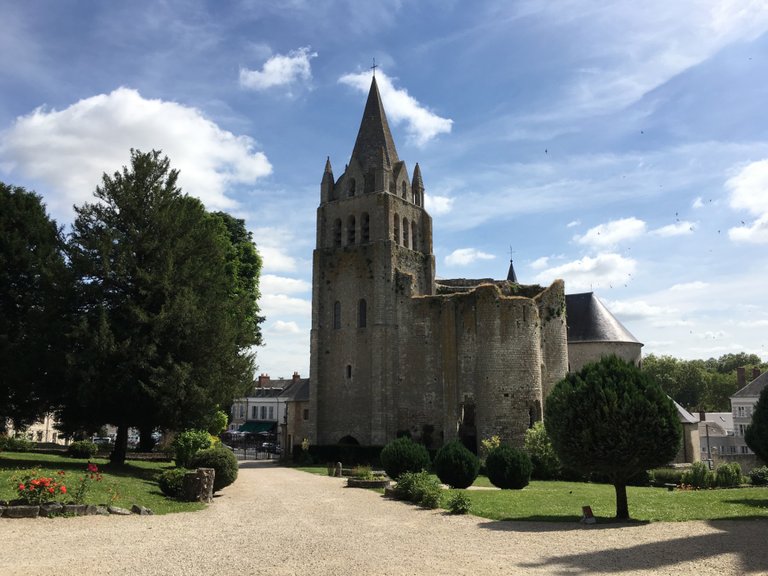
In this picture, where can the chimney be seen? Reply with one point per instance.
(741, 377)
(263, 380)
(702, 416)
(296, 377)
(755, 372)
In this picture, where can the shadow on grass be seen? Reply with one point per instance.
(751, 503)
(743, 539)
(555, 524)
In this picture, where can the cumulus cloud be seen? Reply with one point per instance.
(698, 203)
(282, 327)
(67, 151)
(272, 243)
(612, 233)
(421, 124)
(749, 191)
(676, 229)
(540, 263)
(271, 284)
(465, 256)
(689, 286)
(638, 309)
(590, 272)
(273, 305)
(438, 205)
(280, 70)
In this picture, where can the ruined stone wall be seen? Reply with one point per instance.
(582, 353)
(554, 336)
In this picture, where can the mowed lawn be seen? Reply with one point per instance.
(124, 486)
(554, 501)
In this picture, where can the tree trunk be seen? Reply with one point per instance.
(622, 509)
(146, 442)
(121, 446)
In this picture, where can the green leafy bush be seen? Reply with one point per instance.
(82, 449)
(699, 476)
(404, 455)
(508, 467)
(759, 476)
(455, 465)
(171, 481)
(420, 488)
(546, 464)
(188, 443)
(728, 475)
(459, 503)
(222, 460)
(17, 444)
(663, 476)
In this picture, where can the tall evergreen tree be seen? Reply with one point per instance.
(164, 334)
(34, 289)
(756, 435)
(612, 419)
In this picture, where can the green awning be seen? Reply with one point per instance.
(253, 426)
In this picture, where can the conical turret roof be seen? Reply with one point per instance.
(590, 321)
(374, 134)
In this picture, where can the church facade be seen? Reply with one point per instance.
(395, 350)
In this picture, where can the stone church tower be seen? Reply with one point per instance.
(392, 349)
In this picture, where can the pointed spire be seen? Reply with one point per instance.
(374, 133)
(328, 169)
(417, 181)
(511, 276)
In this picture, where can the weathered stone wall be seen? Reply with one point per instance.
(554, 336)
(582, 353)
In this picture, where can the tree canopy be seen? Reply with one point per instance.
(34, 290)
(166, 301)
(612, 419)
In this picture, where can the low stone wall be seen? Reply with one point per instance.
(54, 509)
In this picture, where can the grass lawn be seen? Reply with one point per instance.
(123, 486)
(562, 501)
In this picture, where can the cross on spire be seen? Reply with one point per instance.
(374, 67)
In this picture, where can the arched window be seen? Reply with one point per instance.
(404, 190)
(336, 315)
(365, 228)
(350, 230)
(396, 231)
(351, 188)
(405, 233)
(414, 238)
(362, 313)
(337, 232)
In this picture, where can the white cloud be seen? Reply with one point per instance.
(573, 223)
(272, 243)
(689, 286)
(67, 151)
(638, 309)
(280, 70)
(749, 191)
(698, 203)
(438, 205)
(274, 305)
(283, 327)
(540, 263)
(677, 229)
(421, 124)
(271, 284)
(613, 232)
(465, 256)
(588, 273)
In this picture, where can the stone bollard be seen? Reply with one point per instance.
(338, 470)
(198, 485)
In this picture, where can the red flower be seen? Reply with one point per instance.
(21, 487)
(92, 467)
(63, 489)
(51, 490)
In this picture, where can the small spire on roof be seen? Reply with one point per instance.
(511, 276)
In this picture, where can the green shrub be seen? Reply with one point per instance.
(455, 465)
(420, 488)
(362, 471)
(728, 475)
(171, 481)
(546, 464)
(403, 455)
(663, 476)
(759, 476)
(508, 467)
(220, 459)
(3, 442)
(188, 443)
(82, 449)
(699, 476)
(459, 503)
(17, 444)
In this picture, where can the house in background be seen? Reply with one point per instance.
(743, 405)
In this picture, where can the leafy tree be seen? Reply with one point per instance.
(612, 419)
(167, 313)
(537, 444)
(34, 290)
(756, 435)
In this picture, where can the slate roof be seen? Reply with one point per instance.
(374, 135)
(590, 321)
(683, 414)
(297, 391)
(754, 388)
(511, 276)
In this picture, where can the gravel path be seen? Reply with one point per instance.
(281, 521)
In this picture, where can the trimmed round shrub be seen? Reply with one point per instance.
(728, 475)
(508, 467)
(82, 449)
(187, 444)
(171, 481)
(403, 455)
(222, 460)
(759, 476)
(455, 465)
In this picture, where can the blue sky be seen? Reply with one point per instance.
(621, 148)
